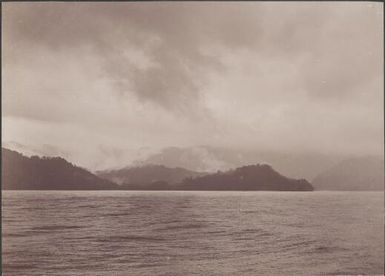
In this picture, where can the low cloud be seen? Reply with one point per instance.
(159, 74)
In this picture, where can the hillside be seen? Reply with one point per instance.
(247, 178)
(23, 173)
(35, 173)
(147, 174)
(355, 174)
(211, 159)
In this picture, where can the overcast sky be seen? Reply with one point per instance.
(94, 81)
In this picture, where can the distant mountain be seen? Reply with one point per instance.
(47, 173)
(355, 174)
(247, 178)
(211, 159)
(147, 174)
(54, 173)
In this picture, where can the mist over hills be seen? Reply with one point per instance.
(54, 173)
(211, 159)
(360, 173)
(198, 159)
(147, 174)
(246, 178)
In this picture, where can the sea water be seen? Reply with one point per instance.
(192, 233)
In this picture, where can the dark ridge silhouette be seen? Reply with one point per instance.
(34, 173)
(42, 173)
(148, 174)
(355, 174)
(248, 178)
(210, 159)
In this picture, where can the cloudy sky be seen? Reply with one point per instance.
(110, 81)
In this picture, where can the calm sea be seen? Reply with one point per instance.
(192, 233)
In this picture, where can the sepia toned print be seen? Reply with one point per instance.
(192, 138)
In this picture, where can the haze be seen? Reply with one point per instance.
(102, 84)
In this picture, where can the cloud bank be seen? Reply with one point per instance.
(105, 82)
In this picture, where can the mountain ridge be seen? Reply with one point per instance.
(210, 159)
(147, 173)
(353, 174)
(259, 177)
(22, 172)
(46, 173)
(55, 173)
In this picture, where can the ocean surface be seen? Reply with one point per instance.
(192, 233)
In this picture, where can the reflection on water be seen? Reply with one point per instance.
(192, 233)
